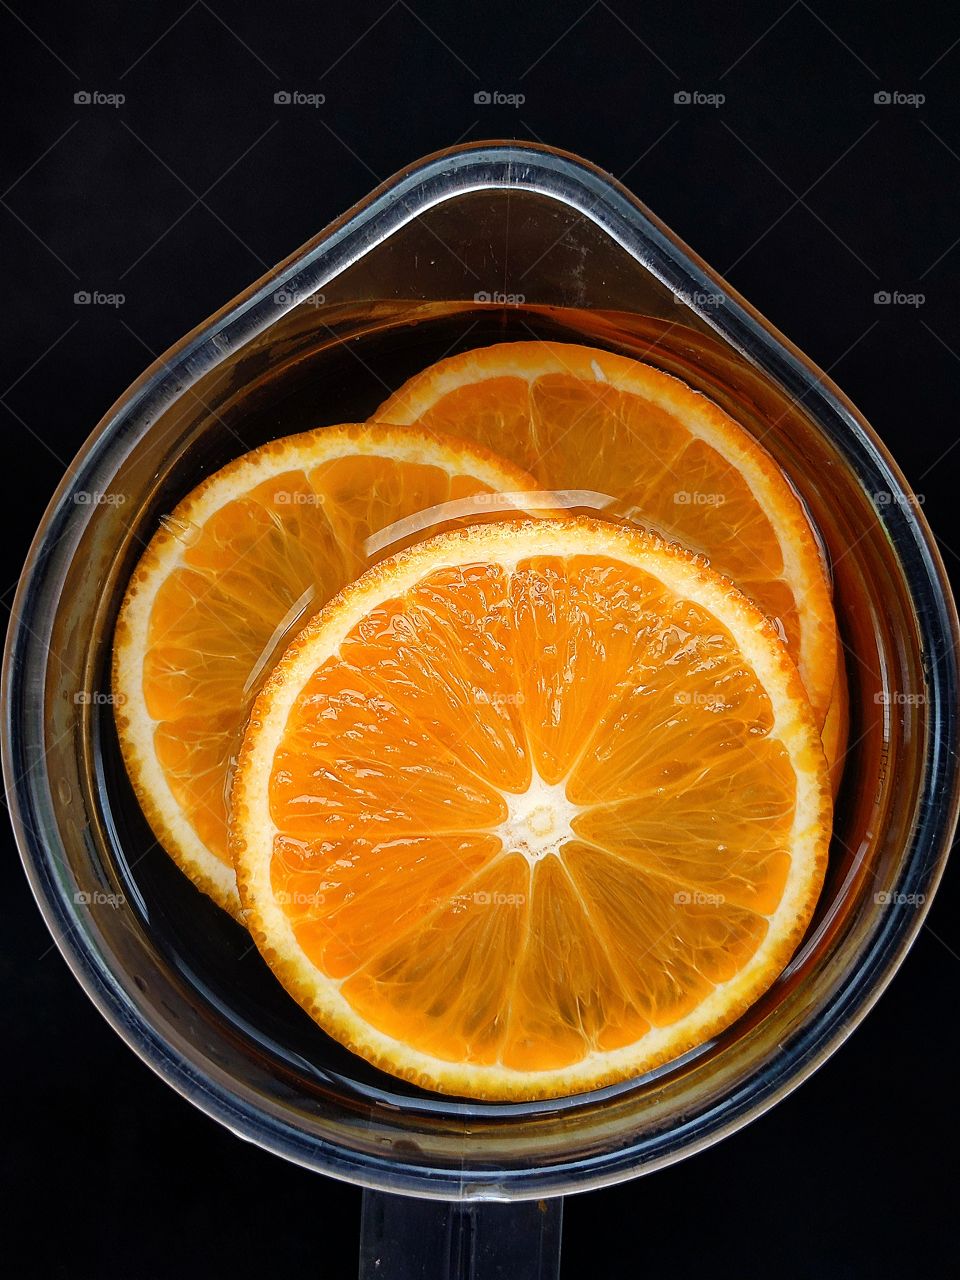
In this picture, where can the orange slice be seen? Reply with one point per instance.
(579, 418)
(242, 562)
(531, 808)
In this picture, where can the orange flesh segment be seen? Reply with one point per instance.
(398, 769)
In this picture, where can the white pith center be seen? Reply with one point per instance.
(539, 822)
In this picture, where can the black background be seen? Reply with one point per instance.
(800, 188)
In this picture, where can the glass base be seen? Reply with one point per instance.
(411, 1239)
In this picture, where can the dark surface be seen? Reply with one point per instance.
(807, 194)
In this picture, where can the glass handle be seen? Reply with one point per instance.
(413, 1239)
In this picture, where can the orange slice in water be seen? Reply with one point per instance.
(531, 808)
(237, 568)
(579, 418)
